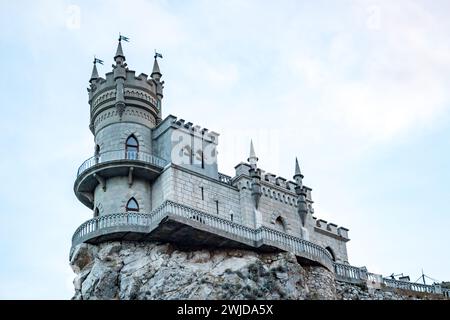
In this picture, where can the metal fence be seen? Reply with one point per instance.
(121, 155)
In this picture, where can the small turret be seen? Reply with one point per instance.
(156, 74)
(119, 58)
(301, 194)
(298, 177)
(255, 174)
(120, 72)
(252, 159)
(94, 75)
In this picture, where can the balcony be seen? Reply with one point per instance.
(176, 223)
(112, 164)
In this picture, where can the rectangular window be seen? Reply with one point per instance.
(203, 195)
(217, 206)
(203, 160)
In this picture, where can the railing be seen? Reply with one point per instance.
(348, 273)
(406, 285)
(293, 244)
(280, 239)
(446, 292)
(224, 178)
(121, 155)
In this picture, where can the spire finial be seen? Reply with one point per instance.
(252, 159)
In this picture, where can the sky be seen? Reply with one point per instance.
(357, 90)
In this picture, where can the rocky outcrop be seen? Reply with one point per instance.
(131, 270)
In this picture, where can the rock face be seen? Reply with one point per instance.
(129, 270)
(132, 270)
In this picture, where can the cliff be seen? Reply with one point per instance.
(131, 270)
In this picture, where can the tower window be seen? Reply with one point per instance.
(203, 193)
(96, 213)
(217, 206)
(132, 205)
(131, 147)
(202, 155)
(280, 224)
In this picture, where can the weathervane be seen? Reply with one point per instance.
(97, 60)
(121, 37)
(158, 55)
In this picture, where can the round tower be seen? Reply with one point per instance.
(123, 110)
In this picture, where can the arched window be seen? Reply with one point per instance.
(331, 252)
(131, 147)
(132, 205)
(96, 213)
(280, 224)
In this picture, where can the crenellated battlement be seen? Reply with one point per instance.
(271, 180)
(330, 228)
(196, 130)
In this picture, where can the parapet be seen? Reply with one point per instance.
(272, 180)
(331, 229)
(139, 88)
(172, 121)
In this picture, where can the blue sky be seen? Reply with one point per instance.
(358, 90)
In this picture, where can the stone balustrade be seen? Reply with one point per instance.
(351, 274)
(121, 155)
(259, 236)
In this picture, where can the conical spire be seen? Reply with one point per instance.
(252, 150)
(297, 168)
(252, 159)
(156, 74)
(119, 52)
(94, 72)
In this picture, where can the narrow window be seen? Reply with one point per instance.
(97, 153)
(203, 195)
(131, 147)
(231, 216)
(132, 205)
(203, 159)
(217, 206)
(96, 213)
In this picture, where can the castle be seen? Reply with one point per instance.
(157, 179)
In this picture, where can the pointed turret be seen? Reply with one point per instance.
(301, 194)
(297, 168)
(156, 73)
(252, 159)
(255, 175)
(298, 177)
(119, 57)
(94, 74)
